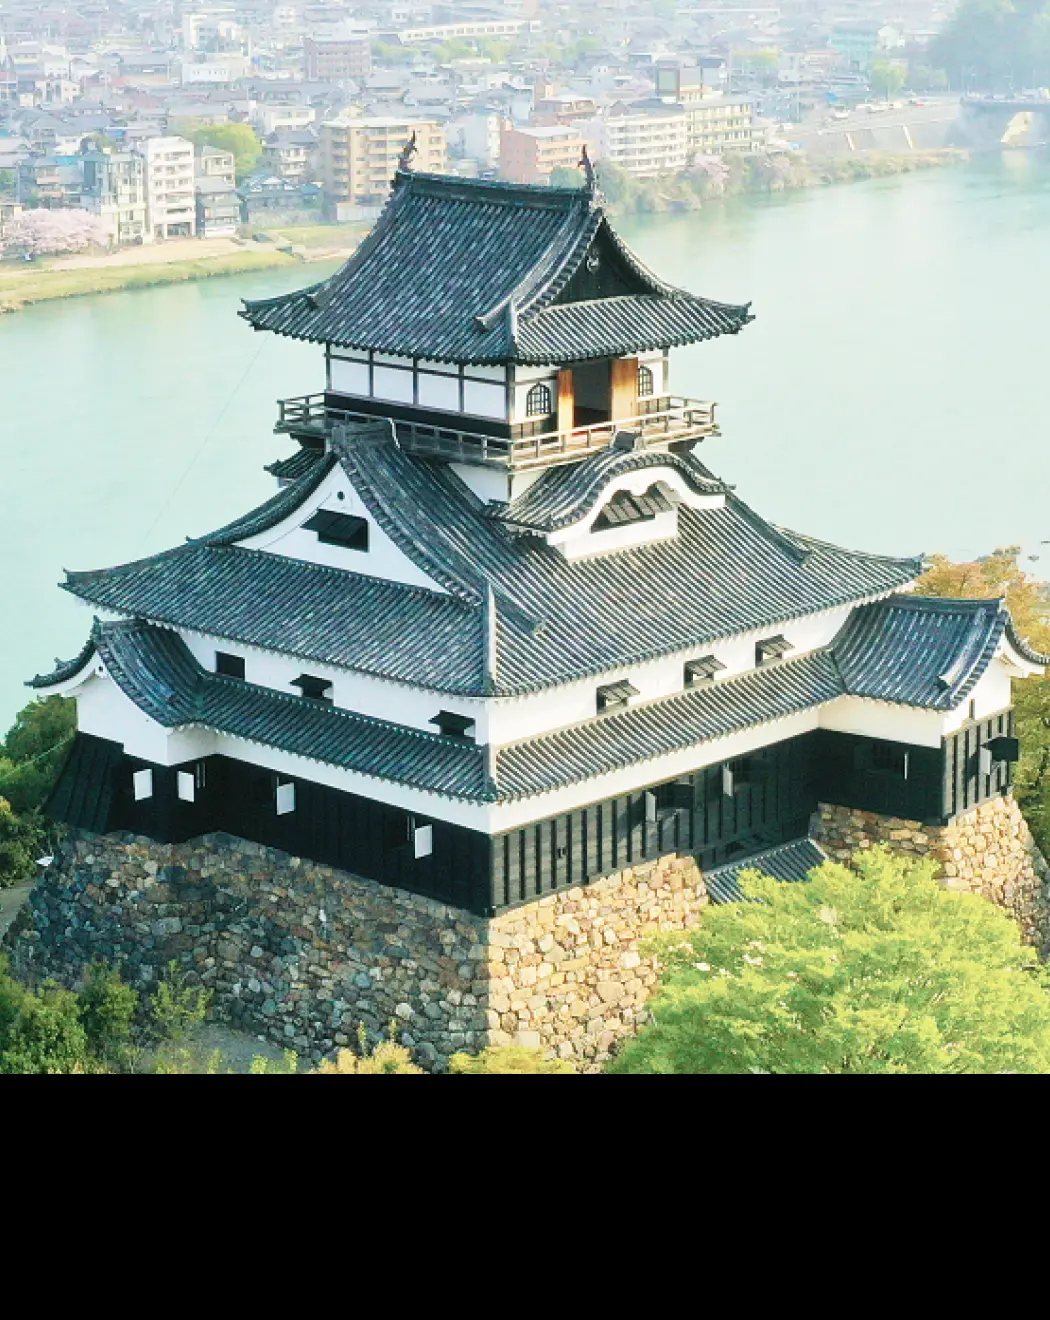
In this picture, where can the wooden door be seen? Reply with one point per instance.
(623, 402)
(566, 401)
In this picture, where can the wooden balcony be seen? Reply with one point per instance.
(665, 420)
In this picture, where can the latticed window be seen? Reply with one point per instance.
(539, 401)
(645, 381)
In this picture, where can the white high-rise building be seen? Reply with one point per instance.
(169, 187)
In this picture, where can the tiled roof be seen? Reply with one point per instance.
(564, 495)
(295, 466)
(924, 651)
(470, 271)
(553, 620)
(155, 669)
(611, 742)
(64, 669)
(787, 861)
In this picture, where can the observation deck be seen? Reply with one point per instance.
(663, 420)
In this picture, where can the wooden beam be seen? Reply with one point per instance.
(623, 391)
(566, 400)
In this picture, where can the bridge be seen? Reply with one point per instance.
(986, 122)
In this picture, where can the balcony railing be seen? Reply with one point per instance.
(661, 421)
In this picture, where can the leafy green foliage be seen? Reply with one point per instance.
(995, 44)
(21, 838)
(876, 969)
(35, 750)
(1000, 575)
(887, 78)
(241, 139)
(508, 1059)
(176, 1006)
(107, 1010)
(42, 1032)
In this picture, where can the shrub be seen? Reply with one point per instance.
(107, 1008)
(876, 969)
(176, 1006)
(21, 838)
(508, 1059)
(41, 1033)
(385, 1058)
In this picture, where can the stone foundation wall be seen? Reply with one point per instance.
(989, 851)
(303, 954)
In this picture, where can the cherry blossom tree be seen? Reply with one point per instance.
(44, 232)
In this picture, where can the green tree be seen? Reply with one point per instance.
(21, 838)
(876, 969)
(565, 176)
(41, 1033)
(887, 78)
(34, 751)
(995, 44)
(107, 1009)
(391, 53)
(241, 139)
(7, 181)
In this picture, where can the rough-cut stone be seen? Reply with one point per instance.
(988, 851)
(304, 954)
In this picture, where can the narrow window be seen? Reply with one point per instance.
(452, 725)
(142, 784)
(770, 649)
(230, 665)
(539, 401)
(702, 670)
(285, 799)
(186, 786)
(316, 689)
(341, 529)
(615, 696)
(423, 841)
(645, 381)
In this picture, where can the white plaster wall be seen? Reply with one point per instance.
(663, 527)
(104, 710)
(349, 377)
(493, 484)
(383, 559)
(483, 399)
(991, 694)
(397, 702)
(512, 719)
(880, 719)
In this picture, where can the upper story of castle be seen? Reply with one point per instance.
(498, 325)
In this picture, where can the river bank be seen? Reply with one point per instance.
(21, 285)
(743, 176)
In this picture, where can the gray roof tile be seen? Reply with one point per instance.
(155, 669)
(787, 861)
(471, 271)
(553, 620)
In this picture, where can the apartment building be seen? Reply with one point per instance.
(214, 163)
(716, 123)
(644, 139)
(359, 156)
(171, 209)
(530, 155)
(114, 189)
(337, 57)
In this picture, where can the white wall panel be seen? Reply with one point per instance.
(392, 384)
(484, 400)
(349, 377)
(439, 392)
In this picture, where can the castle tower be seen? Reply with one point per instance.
(502, 662)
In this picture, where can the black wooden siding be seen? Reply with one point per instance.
(964, 786)
(771, 796)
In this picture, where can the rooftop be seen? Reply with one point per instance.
(478, 271)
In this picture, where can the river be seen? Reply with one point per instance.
(888, 396)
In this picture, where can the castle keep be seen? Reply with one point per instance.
(503, 676)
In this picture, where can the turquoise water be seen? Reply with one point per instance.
(888, 395)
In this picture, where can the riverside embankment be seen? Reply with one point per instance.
(25, 283)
